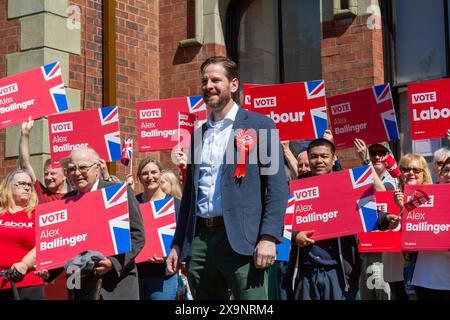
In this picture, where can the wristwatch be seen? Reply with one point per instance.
(366, 162)
(109, 179)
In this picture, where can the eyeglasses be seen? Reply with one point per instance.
(440, 163)
(380, 153)
(84, 168)
(414, 170)
(23, 184)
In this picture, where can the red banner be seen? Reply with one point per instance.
(157, 121)
(366, 114)
(427, 227)
(382, 241)
(35, 93)
(298, 109)
(159, 222)
(336, 204)
(429, 109)
(96, 220)
(98, 129)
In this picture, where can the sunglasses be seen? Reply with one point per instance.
(380, 153)
(440, 163)
(414, 170)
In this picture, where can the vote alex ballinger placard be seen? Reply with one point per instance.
(35, 93)
(336, 204)
(97, 129)
(429, 109)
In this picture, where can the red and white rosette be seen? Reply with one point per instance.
(245, 142)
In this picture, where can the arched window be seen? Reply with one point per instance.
(275, 41)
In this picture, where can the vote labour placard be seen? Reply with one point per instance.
(35, 93)
(382, 241)
(298, 109)
(96, 220)
(427, 227)
(429, 109)
(366, 114)
(98, 129)
(157, 121)
(159, 222)
(336, 204)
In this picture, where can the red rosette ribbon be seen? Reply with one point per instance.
(245, 142)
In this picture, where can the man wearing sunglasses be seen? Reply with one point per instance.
(118, 273)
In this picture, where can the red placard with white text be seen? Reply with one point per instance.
(159, 222)
(157, 121)
(298, 109)
(186, 127)
(98, 129)
(335, 204)
(35, 93)
(429, 109)
(382, 241)
(96, 220)
(366, 114)
(427, 227)
(247, 103)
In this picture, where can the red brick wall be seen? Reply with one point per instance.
(352, 59)
(9, 43)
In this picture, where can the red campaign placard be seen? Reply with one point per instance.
(35, 93)
(366, 114)
(186, 127)
(247, 98)
(157, 121)
(336, 204)
(96, 220)
(382, 241)
(428, 226)
(98, 129)
(298, 109)
(159, 222)
(429, 109)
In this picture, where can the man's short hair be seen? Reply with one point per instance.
(229, 65)
(87, 149)
(441, 153)
(321, 142)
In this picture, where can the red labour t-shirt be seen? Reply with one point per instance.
(44, 195)
(17, 238)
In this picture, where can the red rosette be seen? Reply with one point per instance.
(245, 142)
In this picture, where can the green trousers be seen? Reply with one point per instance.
(214, 268)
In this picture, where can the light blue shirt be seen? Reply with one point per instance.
(215, 139)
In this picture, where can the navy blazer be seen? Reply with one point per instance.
(252, 206)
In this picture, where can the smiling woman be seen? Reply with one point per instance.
(17, 240)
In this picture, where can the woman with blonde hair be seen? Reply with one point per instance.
(17, 236)
(170, 185)
(414, 171)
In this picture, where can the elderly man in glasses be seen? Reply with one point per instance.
(119, 273)
(439, 158)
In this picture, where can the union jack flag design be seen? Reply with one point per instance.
(368, 212)
(109, 115)
(114, 195)
(196, 104)
(57, 92)
(361, 176)
(120, 226)
(320, 120)
(382, 93)
(112, 141)
(164, 223)
(390, 125)
(284, 248)
(127, 151)
(315, 89)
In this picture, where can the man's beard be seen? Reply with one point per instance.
(220, 104)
